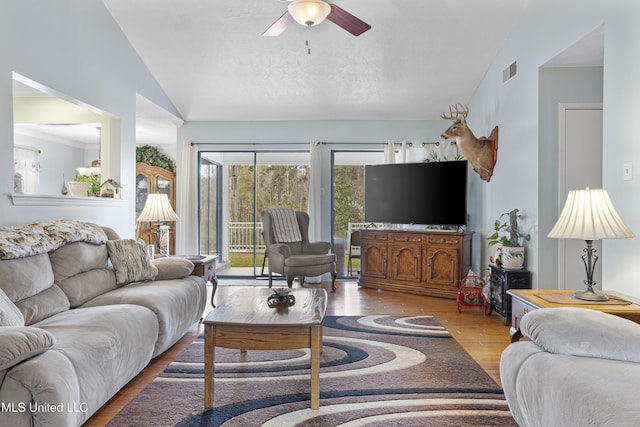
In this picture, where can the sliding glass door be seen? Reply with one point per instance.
(251, 181)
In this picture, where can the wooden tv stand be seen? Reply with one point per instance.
(414, 261)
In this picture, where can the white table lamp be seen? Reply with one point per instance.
(158, 209)
(589, 215)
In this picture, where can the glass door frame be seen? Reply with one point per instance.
(218, 207)
(370, 148)
(222, 199)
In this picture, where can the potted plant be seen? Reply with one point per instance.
(508, 234)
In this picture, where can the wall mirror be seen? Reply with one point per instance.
(58, 140)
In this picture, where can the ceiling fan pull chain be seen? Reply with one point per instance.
(306, 42)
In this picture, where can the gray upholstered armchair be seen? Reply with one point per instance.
(289, 252)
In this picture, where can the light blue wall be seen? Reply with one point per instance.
(76, 48)
(339, 135)
(520, 179)
(557, 85)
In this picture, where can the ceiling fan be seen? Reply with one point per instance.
(313, 12)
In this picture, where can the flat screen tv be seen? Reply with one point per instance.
(433, 193)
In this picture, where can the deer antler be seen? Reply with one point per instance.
(461, 110)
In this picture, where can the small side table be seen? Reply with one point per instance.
(205, 267)
(525, 300)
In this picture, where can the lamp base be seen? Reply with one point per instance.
(590, 295)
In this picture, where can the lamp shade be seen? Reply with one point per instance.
(309, 12)
(589, 215)
(157, 208)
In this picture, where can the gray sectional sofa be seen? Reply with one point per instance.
(82, 312)
(579, 367)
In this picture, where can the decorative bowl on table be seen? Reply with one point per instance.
(281, 297)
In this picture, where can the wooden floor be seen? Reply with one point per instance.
(483, 337)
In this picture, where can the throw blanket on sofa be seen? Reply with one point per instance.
(285, 225)
(41, 237)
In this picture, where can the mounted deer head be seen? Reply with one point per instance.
(481, 152)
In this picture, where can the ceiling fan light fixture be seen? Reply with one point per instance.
(309, 12)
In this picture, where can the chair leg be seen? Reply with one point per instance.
(333, 281)
(290, 281)
(270, 278)
(264, 261)
(302, 281)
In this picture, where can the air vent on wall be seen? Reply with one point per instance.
(510, 72)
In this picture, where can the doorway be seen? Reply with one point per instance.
(580, 165)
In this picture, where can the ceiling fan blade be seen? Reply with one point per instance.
(344, 19)
(279, 26)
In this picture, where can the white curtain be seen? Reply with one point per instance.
(187, 226)
(390, 152)
(404, 148)
(315, 209)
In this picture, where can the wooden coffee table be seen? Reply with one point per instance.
(243, 320)
(525, 300)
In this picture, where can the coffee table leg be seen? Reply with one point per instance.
(316, 346)
(209, 354)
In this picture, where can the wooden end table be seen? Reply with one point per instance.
(525, 300)
(205, 267)
(244, 321)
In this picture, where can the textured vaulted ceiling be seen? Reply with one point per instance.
(419, 57)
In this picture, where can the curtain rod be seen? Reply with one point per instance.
(258, 144)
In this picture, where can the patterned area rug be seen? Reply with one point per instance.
(375, 371)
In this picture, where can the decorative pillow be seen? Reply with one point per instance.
(172, 268)
(18, 343)
(583, 332)
(9, 313)
(130, 261)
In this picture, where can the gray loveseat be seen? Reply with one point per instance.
(76, 325)
(580, 368)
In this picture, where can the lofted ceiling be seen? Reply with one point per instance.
(419, 57)
(208, 55)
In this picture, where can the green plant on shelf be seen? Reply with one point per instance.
(93, 181)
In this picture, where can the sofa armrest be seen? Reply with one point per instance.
(18, 343)
(172, 268)
(583, 332)
(316, 248)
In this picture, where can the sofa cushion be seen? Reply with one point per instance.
(28, 282)
(96, 352)
(172, 268)
(18, 343)
(177, 304)
(80, 270)
(583, 332)
(45, 304)
(131, 261)
(309, 260)
(10, 315)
